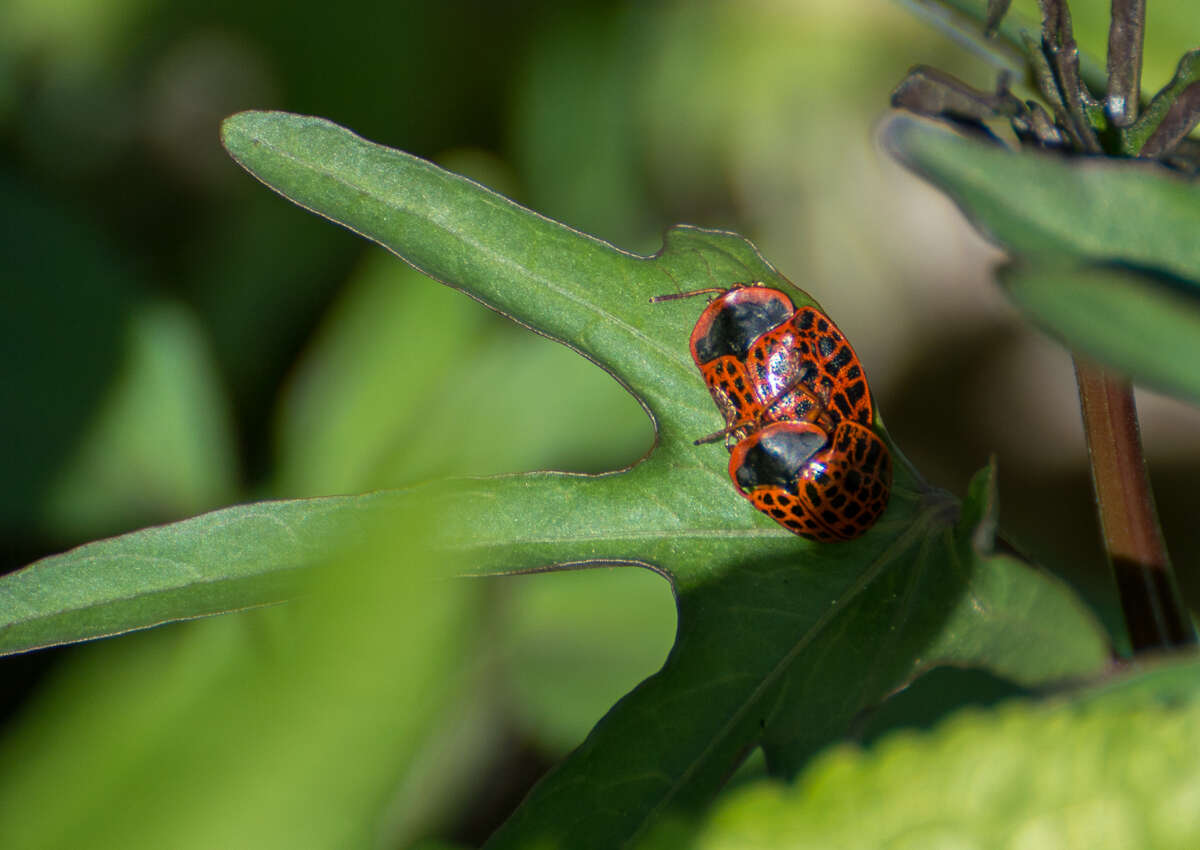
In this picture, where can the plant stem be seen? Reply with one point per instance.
(1154, 612)
(1125, 36)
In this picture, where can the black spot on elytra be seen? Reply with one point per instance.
(873, 454)
(826, 345)
(741, 320)
(839, 362)
(776, 457)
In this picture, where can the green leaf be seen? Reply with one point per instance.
(350, 417)
(162, 442)
(227, 560)
(1104, 770)
(1109, 262)
(781, 641)
(1046, 206)
(784, 650)
(617, 624)
(1141, 324)
(280, 730)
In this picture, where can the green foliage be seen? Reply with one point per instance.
(1043, 206)
(1109, 261)
(162, 440)
(780, 642)
(222, 561)
(334, 721)
(368, 710)
(285, 730)
(1109, 769)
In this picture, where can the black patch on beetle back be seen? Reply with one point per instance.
(777, 458)
(738, 324)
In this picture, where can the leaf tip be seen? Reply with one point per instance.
(978, 519)
(235, 131)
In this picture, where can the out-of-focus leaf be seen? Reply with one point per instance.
(1142, 324)
(66, 295)
(1110, 263)
(373, 382)
(161, 445)
(399, 359)
(575, 131)
(285, 729)
(575, 642)
(1107, 770)
(1042, 205)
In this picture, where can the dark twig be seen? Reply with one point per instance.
(935, 94)
(1154, 613)
(1037, 126)
(1058, 40)
(1125, 35)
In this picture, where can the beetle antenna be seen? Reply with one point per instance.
(674, 296)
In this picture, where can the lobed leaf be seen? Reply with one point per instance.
(781, 642)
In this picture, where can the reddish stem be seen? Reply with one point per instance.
(1154, 612)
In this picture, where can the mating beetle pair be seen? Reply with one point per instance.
(797, 410)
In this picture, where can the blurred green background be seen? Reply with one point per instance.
(177, 338)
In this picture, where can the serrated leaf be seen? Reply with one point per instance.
(1139, 323)
(1042, 205)
(1100, 771)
